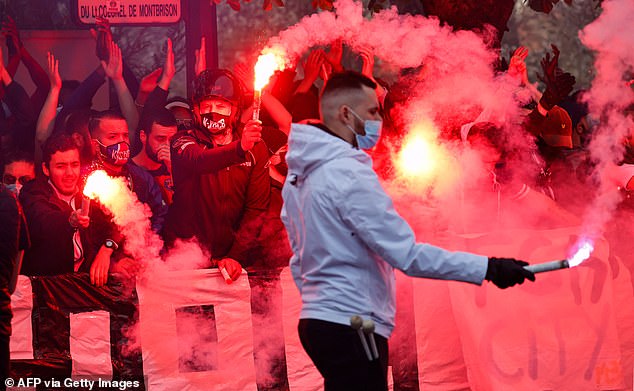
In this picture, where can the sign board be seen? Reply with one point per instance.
(129, 11)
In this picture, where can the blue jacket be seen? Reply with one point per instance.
(347, 238)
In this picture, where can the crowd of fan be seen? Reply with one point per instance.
(206, 169)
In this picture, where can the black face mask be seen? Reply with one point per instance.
(216, 123)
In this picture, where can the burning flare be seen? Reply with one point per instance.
(420, 155)
(416, 158)
(100, 186)
(583, 253)
(266, 66)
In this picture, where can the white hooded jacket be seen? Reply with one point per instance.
(347, 238)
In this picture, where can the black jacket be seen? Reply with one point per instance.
(220, 194)
(52, 249)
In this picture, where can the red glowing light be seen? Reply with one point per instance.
(418, 157)
(265, 67)
(100, 186)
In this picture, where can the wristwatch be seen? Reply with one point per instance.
(109, 243)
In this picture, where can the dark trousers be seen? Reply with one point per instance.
(4, 359)
(337, 352)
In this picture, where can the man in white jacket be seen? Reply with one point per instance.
(347, 239)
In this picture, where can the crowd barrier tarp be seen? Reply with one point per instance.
(90, 344)
(21, 345)
(97, 317)
(571, 330)
(195, 331)
(559, 333)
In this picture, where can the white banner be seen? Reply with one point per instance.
(195, 331)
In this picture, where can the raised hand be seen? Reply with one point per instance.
(251, 134)
(168, 68)
(313, 64)
(334, 55)
(53, 71)
(558, 83)
(367, 55)
(517, 65)
(103, 38)
(149, 81)
(201, 58)
(114, 67)
(12, 35)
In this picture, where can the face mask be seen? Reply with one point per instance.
(14, 188)
(372, 132)
(215, 123)
(116, 154)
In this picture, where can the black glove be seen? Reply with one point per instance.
(558, 83)
(506, 272)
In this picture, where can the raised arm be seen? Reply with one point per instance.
(114, 70)
(46, 119)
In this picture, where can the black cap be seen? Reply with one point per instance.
(216, 83)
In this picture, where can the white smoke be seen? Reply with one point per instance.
(611, 36)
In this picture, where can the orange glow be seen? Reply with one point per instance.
(265, 68)
(418, 158)
(100, 186)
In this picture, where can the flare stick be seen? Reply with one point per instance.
(547, 266)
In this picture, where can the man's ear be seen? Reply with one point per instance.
(95, 146)
(143, 136)
(45, 169)
(343, 113)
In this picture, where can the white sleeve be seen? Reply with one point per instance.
(291, 232)
(369, 212)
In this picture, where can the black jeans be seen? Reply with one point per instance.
(338, 354)
(4, 360)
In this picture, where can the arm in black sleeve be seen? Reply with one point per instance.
(256, 205)
(81, 98)
(20, 104)
(39, 77)
(189, 158)
(43, 218)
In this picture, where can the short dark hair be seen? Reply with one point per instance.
(160, 116)
(59, 142)
(18, 156)
(348, 80)
(95, 120)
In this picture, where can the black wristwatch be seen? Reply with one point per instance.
(109, 243)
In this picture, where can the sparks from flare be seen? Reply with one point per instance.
(100, 186)
(582, 253)
(265, 67)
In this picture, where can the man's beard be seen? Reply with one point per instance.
(151, 154)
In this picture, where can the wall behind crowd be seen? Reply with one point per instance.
(48, 25)
(537, 30)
